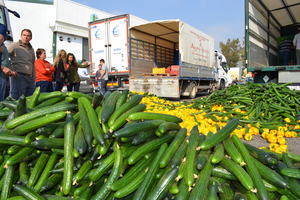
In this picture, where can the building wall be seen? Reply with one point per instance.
(39, 18)
(70, 43)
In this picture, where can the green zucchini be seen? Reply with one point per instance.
(34, 98)
(218, 155)
(223, 173)
(165, 127)
(233, 152)
(122, 99)
(48, 143)
(52, 181)
(18, 157)
(109, 106)
(7, 182)
(220, 136)
(79, 140)
(183, 193)
(180, 153)
(23, 172)
(37, 170)
(85, 168)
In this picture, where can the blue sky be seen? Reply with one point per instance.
(222, 19)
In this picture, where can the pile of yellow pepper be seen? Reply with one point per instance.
(192, 117)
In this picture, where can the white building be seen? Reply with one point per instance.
(55, 24)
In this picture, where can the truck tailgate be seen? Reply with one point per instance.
(162, 86)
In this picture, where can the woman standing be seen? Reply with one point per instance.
(60, 69)
(73, 78)
(44, 72)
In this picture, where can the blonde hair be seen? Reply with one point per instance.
(59, 57)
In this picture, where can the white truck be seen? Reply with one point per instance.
(134, 50)
(4, 18)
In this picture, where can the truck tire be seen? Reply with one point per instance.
(222, 84)
(193, 91)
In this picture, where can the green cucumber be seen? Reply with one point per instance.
(178, 140)
(84, 169)
(142, 137)
(220, 136)
(180, 153)
(34, 98)
(114, 175)
(23, 172)
(48, 143)
(165, 127)
(37, 170)
(7, 182)
(190, 157)
(218, 155)
(28, 193)
(270, 175)
(37, 123)
(291, 172)
(92, 118)
(49, 102)
(149, 116)
(239, 173)
(21, 106)
(148, 147)
(79, 140)
(38, 113)
(109, 106)
(200, 188)
(68, 154)
(122, 99)
(18, 157)
(202, 158)
(144, 188)
(163, 184)
(9, 139)
(183, 191)
(122, 119)
(213, 189)
(77, 95)
(133, 101)
(223, 173)
(133, 129)
(86, 127)
(45, 96)
(52, 181)
(13, 149)
(233, 152)
(132, 185)
(46, 172)
(251, 168)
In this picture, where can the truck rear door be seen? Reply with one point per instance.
(109, 41)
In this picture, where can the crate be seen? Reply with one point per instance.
(173, 70)
(157, 70)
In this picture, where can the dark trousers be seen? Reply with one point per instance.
(21, 85)
(2, 85)
(102, 86)
(45, 86)
(73, 86)
(284, 58)
(59, 85)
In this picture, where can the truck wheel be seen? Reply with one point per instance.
(193, 92)
(222, 84)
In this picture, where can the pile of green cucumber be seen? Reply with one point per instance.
(77, 146)
(266, 104)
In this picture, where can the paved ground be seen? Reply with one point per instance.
(293, 143)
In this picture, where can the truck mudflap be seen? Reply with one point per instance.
(161, 86)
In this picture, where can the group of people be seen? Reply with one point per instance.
(24, 70)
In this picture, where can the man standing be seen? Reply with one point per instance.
(22, 61)
(102, 76)
(5, 70)
(296, 43)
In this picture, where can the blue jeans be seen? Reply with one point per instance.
(21, 85)
(59, 85)
(102, 86)
(73, 86)
(2, 86)
(45, 86)
(285, 58)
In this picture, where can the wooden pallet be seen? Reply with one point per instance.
(164, 74)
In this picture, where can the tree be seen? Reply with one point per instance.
(233, 51)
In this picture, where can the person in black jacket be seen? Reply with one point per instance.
(60, 69)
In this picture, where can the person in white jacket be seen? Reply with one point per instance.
(296, 43)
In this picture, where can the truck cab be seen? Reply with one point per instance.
(221, 73)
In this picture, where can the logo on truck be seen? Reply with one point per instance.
(116, 31)
(98, 34)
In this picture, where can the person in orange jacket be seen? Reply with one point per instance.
(44, 72)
